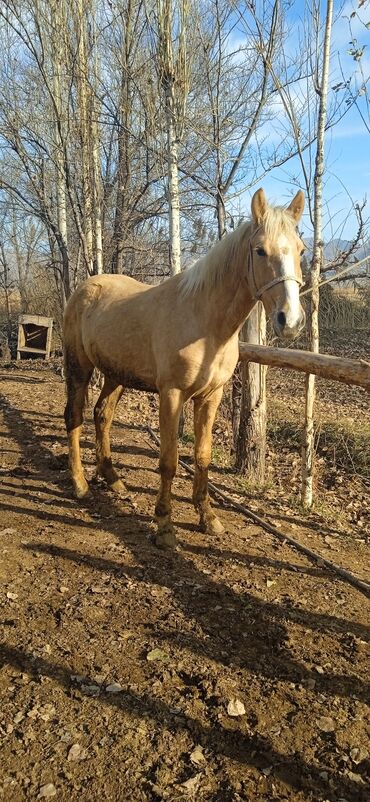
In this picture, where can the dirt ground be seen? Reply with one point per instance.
(231, 669)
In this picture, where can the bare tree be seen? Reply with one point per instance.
(317, 258)
(172, 61)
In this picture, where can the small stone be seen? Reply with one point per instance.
(76, 752)
(90, 690)
(18, 717)
(236, 708)
(47, 791)
(157, 654)
(63, 589)
(11, 596)
(270, 582)
(114, 687)
(358, 754)
(197, 756)
(325, 724)
(267, 771)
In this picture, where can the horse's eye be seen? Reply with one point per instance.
(302, 251)
(261, 251)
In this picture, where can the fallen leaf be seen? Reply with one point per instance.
(191, 785)
(126, 634)
(356, 778)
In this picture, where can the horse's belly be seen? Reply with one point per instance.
(122, 365)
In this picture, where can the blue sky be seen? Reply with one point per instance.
(347, 146)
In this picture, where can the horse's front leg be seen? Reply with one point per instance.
(204, 414)
(170, 405)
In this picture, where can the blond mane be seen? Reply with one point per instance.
(206, 273)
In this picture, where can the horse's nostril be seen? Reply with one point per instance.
(281, 319)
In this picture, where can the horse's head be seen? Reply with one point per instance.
(275, 274)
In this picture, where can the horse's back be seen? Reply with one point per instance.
(107, 284)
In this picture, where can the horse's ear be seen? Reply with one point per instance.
(296, 207)
(259, 206)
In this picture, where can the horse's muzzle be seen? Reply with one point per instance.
(286, 329)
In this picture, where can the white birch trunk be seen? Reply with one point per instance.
(83, 92)
(57, 61)
(95, 147)
(173, 73)
(173, 190)
(308, 434)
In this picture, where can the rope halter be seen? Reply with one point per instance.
(259, 291)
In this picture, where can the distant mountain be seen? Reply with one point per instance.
(336, 247)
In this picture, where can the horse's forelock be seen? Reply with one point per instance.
(278, 221)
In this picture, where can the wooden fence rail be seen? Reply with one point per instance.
(348, 371)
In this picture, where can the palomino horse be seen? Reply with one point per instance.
(180, 339)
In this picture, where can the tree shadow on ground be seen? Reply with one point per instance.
(244, 748)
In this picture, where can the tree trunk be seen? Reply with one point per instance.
(84, 112)
(172, 66)
(308, 433)
(251, 438)
(173, 188)
(95, 154)
(60, 116)
(123, 167)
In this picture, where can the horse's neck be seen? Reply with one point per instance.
(230, 300)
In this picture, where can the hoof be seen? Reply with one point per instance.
(118, 487)
(212, 526)
(165, 538)
(81, 490)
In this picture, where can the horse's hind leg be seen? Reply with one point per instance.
(77, 381)
(103, 416)
(204, 414)
(170, 405)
